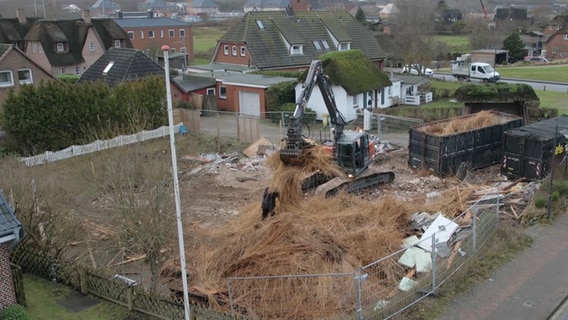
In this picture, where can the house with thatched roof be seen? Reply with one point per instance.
(356, 84)
(514, 99)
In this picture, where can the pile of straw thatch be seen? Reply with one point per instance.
(463, 124)
(311, 235)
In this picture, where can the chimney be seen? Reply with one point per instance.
(21, 15)
(86, 15)
(150, 13)
(119, 13)
(299, 5)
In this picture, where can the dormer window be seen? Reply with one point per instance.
(117, 43)
(226, 50)
(296, 49)
(60, 46)
(343, 46)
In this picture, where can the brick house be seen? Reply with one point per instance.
(70, 46)
(10, 234)
(290, 40)
(17, 69)
(556, 35)
(151, 33)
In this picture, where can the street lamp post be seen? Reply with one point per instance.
(166, 50)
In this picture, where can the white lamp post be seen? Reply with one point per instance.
(166, 50)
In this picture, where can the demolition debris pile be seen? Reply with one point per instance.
(462, 124)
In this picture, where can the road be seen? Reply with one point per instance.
(536, 84)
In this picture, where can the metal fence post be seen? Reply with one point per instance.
(230, 297)
(358, 294)
(433, 255)
(474, 228)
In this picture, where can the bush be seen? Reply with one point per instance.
(555, 195)
(562, 189)
(15, 312)
(540, 203)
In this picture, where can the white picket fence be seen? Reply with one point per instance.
(98, 145)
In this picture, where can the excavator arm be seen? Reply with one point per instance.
(296, 143)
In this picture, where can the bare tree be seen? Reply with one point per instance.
(481, 36)
(140, 191)
(414, 29)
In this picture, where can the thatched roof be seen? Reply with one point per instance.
(499, 92)
(353, 71)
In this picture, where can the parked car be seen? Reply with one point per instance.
(536, 59)
(413, 69)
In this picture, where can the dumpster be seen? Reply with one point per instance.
(435, 147)
(528, 151)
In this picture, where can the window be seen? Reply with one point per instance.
(222, 92)
(171, 33)
(355, 100)
(343, 46)
(183, 49)
(259, 24)
(234, 50)
(316, 44)
(77, 70)
(92, 46)
(34, 47)
(130, 35)
(181, 33)
(63, 70)
(172, 50)
(107, 68)
(6, 78)
(555, 50)
(117, 43)
(566, 37)
(60, 47)
(243, 51)
(226, 50)
(141, 34)
(25, 76)
(210, 91)
(151, 34)
(161, 33)
(558, 27)
(296, 49)
(325, 45)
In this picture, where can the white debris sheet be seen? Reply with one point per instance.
(442, 227)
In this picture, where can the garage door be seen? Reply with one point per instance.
(249, 103)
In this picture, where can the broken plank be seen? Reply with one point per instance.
(453, 255)
(514, 212)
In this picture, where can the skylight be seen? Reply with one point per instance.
(259, 24)
(107, 69)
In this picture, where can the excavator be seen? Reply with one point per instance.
(353, 151)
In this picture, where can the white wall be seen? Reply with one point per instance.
(343, 101)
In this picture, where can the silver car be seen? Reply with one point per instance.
(413, 69)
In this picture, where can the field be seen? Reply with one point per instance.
(554, 73)
(456, 43)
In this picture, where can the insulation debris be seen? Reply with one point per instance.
(442, 228)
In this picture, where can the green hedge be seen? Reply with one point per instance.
(14, 312)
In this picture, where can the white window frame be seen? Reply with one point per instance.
(60, 46)
(117, 44)
(222, 92)
(91, 45)
(234, 50)
(182, 33)
(151, 34)
(26, 81)
(243, 51)
(131, 35)
(161, 33)
(10, 81)
(355, 101)
(141, 34)
(171, 33)
(296, 49)
(555, 50)
(343, 46)
(210, 91)
(226, 50)
(566, 37)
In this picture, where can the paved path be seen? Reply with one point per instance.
(532, 286)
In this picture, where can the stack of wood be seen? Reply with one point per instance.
(98, 231)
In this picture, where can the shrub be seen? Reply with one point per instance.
(562, 189)
(540, 203)
(555, 195)
(15, 312)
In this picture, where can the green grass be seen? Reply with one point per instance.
(41, 297)
(547, 73)
(456, 43)
(205, 38)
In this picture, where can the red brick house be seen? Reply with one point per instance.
(16, 69)
(10, 234)
(150, 33)
(556, 34)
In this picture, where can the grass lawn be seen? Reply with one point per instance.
(205, 38)
(456, 43)
(548, 72)
(41, 297)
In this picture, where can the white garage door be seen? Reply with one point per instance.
(249, 103)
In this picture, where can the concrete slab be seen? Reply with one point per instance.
(77, 302)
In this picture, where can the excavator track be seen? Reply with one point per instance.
(336, 185)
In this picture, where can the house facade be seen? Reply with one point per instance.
(71, 46)
(16, 69)
(280, 40)
(151, 33)
(556, 35)
(10, 234)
